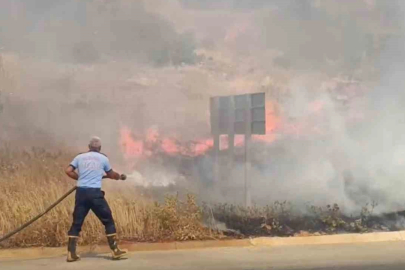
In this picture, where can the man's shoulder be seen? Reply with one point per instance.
(100, 155)
(80, 154)
(91, 153)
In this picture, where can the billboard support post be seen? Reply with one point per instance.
(240, 114)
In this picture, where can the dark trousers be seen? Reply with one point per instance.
(91, 198)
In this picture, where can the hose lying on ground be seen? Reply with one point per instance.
(25, 225)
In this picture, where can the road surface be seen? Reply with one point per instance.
(375, 256)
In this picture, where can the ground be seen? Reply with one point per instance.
(384, 255)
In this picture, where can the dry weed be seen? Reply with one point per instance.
(31, 180)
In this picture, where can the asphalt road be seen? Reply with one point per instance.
(375, 256)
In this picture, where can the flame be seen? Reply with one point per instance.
(153, 142)
(170, 147)
(203, 146)
(130, 147)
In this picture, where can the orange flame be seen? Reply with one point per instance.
(202, 147)
(170, 147)
(129, 146)
(153, 141)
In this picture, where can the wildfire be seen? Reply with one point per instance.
(130, 146)
(136, 146)
(152, 142)
(313, 122)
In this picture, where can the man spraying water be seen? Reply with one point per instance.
(91, 168)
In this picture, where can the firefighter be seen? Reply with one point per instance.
(92, 167)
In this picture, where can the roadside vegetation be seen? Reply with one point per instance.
(30, 180)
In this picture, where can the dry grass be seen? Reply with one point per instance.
(31, 180)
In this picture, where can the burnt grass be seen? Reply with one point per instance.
(281, 220)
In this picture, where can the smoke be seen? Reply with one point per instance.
(67, 65)
(90, 31)
(331, 70)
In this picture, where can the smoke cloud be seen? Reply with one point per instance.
(331, 70)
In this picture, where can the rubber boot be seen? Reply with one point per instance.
(71, 255)
(115, 251)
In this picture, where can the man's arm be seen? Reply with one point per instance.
(70, 171)
(114, 175)
(110, 173)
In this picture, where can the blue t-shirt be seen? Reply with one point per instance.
(91, 167)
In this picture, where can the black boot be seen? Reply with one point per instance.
(116, 252)
(72, 256)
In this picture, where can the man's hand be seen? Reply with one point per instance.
(70, 171)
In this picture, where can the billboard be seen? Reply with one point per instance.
(239, 114)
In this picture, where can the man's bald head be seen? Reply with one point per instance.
(95, 144)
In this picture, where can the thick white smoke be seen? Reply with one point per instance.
(71, 69)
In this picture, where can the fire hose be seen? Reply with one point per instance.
(25, 225)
